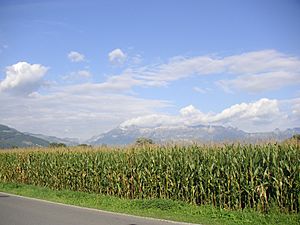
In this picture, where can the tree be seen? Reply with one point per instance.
(84, 145)
(144, 141)
(57, 145)
(296, 137)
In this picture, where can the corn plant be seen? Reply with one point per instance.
(226, 176)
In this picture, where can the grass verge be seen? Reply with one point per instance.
(155, 208)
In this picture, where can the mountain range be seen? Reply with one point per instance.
(10, 137)
(188, 134)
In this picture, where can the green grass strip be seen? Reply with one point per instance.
(155, 208)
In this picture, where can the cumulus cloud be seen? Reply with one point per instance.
(264, 110)
(148, 121)
(189, 111)
(76, 56)
(264, 114)
(117, 56)
(23, 78)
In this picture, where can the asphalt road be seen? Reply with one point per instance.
(16, 210)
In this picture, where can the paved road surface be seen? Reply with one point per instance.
(15, 210)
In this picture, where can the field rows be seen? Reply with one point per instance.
(230, 176)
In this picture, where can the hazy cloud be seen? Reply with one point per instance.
(84, 73)
(136, 59)
(261, 82)
(252, 71)
(3, 47)
(77, 75)
(201, 90)
(76, 56)
(83, 112)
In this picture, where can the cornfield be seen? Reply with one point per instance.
(228, 176)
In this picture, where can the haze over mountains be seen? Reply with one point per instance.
(10, 137)
(53, 139)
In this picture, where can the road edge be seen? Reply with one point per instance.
(97, 210)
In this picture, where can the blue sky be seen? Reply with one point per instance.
(79, 68)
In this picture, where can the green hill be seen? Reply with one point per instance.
(10, 138)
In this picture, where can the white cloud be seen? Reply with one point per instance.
(77, 75)
(113, 84)
(177, 68)
(84, 111)
(84, 73)
(76, 56)
(23, 78)
(262, 115)
(292, 105)
(97, 107)
(261, 82)
(296, 107)
(296, 110)
(263, 110)
(137, 59)
(117, 56)
(252, 71)
(153, 120)
(189, 111)
(261, 62)
(201, 90)
(261, 71)
(3, 47)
